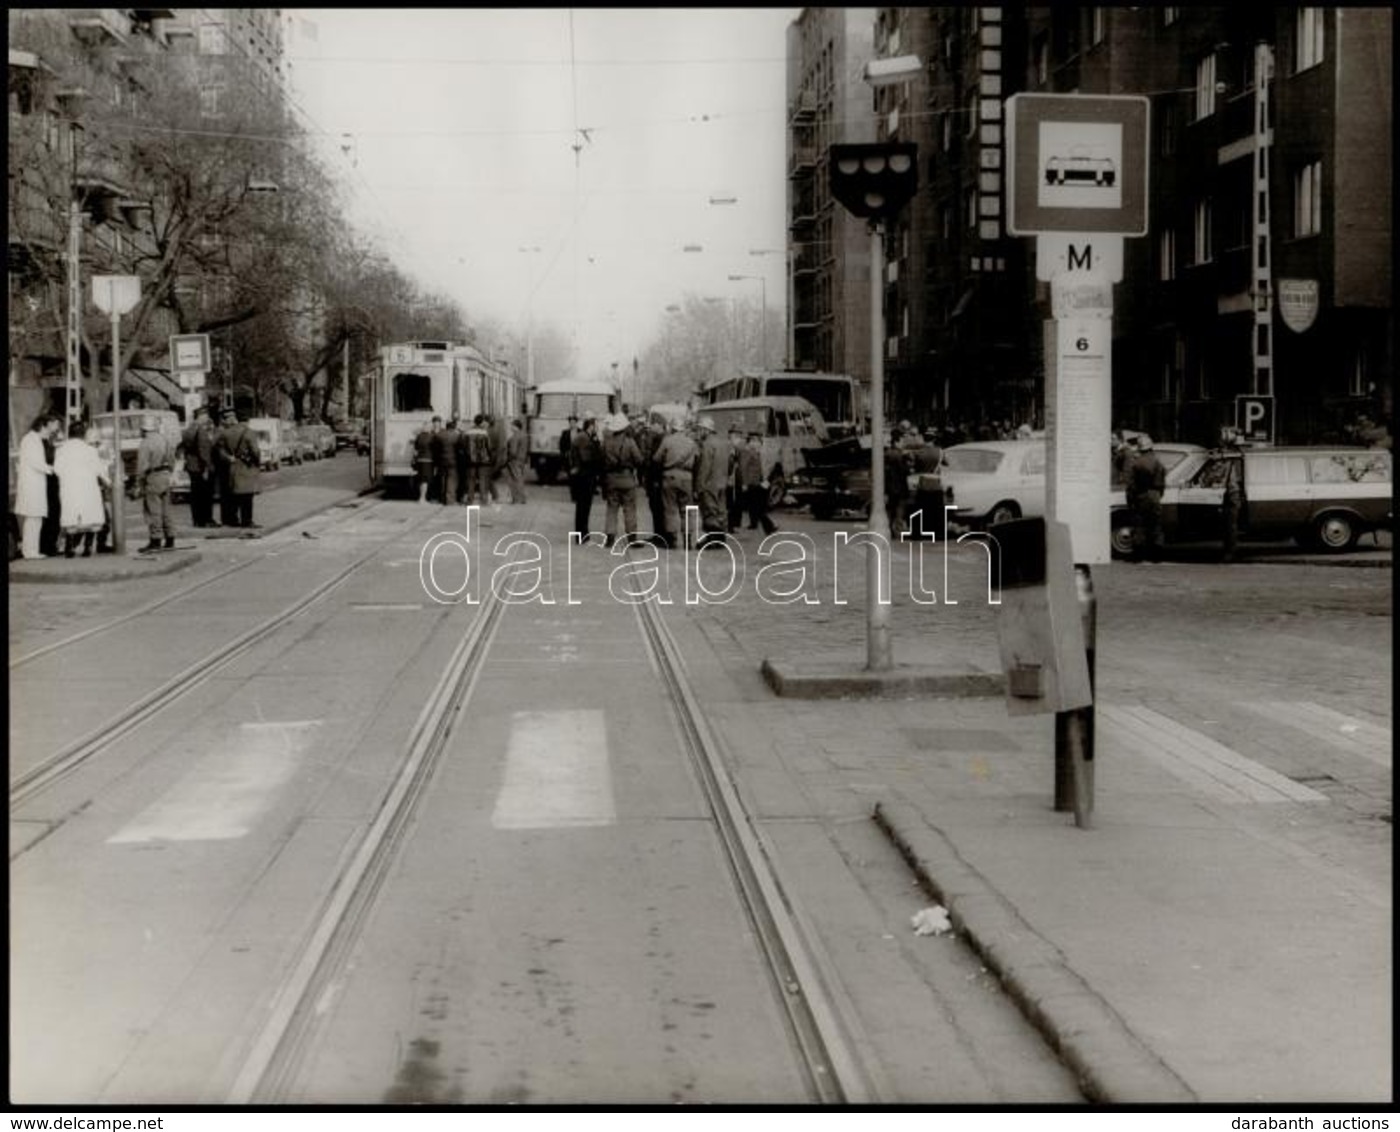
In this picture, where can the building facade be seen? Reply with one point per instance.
(1266, 268)
(828, 249)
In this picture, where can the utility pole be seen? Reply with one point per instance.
(73, 404)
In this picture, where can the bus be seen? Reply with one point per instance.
(416, 381)
(836, 395)
(550, 406)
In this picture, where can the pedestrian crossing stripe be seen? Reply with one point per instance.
(1195, 758)
(557, 772)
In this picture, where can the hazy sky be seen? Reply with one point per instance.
(462, 126)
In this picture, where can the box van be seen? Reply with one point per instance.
(131, 424)
(788, 425)
(274, 443)
(1322, 498)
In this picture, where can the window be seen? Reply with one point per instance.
(209, 101)
(1166, 255)
(1169, 16)
(1307, 200)
(1042, 61)
(1205, 87)
(1166, 117)
(1373, 467)
(947, 132)
(1201, 248)
(1098, 18)
(1277, 469)
(1308, 39)
(972, 208)
(413, 393)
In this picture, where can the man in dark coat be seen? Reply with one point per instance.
(197, 447)
(1147, 479)
(585, 466)
(237, 451)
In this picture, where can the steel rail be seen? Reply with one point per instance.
(72, 756)
(274, 1053)
(140, 611)
(835, 1072)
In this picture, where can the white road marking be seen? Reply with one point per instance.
(1342, 731)
(223, 796)
(1196, 758)
(557, 772)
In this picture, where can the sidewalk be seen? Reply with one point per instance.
(274, 511)
(1205, 941)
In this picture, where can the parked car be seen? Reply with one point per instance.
(992, 481)
(304, 443)
(322, 436)
(346, 430)
(1321, 497)
(273, 447)
(131, 422)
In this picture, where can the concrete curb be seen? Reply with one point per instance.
(1113, 1064)
(109, 568)
(843, 681)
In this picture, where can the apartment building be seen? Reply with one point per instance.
(1266, 269)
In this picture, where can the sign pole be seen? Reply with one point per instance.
(879, 653)
(118, 488)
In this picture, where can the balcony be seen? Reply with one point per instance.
(802, 161)
(100, 175)
(34, 222)
(104, 26)
(804, 107)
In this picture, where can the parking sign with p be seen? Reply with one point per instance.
(1254, 418)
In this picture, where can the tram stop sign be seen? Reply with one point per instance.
(1076, 163)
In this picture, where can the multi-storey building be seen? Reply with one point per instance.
(829, 253)
(1266, 269)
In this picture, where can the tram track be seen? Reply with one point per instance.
(822, 1037)
(79, 752)
(150, 607)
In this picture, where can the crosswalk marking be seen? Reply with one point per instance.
(557, 772)
(222, 796)
(1196, 758)
(1342, 731)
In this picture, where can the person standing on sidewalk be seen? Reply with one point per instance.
(197, 446)
(1147, 479)
(237, 451)
(1231, 507)
(82, 475)
(155, 462)
(585, 466)
(753, 486)
(621, 459)
(475, 445)
(32, 484)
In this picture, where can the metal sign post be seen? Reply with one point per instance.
(1078, 183)
(117, 294)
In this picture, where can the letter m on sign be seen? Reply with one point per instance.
(1080, 259)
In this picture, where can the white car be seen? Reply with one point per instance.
(993, 481)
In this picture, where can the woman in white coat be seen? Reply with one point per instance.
(32, 484)
(81, 476)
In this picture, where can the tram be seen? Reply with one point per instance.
(416, 381)
(550, 407)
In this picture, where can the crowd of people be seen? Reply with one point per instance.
(63, 495)
(459, 463)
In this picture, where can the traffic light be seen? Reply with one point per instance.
(874, 181)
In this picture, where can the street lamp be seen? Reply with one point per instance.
(762, 314)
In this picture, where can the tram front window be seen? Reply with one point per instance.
(413, 393)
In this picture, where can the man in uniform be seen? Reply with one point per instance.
(711, 481)
(674, 461)
(423, 458)
(1147, 479)
(155, 461)
(197, 445)
(621, 459)
(474, 455)
(237, 450)
(445, 463)
(517, 457)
